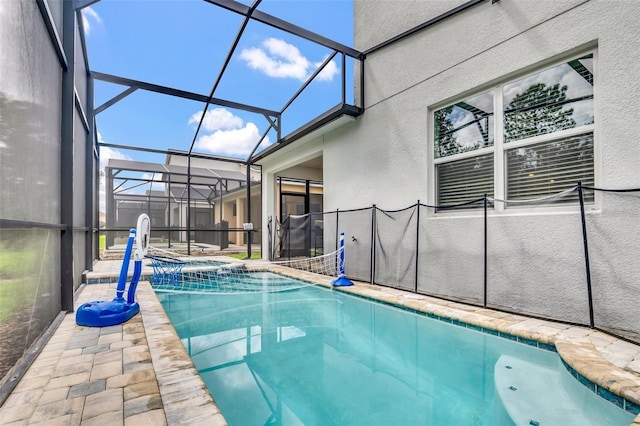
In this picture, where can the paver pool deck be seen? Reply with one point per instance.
(138, 373)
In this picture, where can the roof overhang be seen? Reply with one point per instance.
(327, 122)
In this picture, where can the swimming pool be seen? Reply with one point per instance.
(317, 356)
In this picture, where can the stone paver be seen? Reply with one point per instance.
(54, 410)
(106, 370)
(138, 373)
(148, 418)
(89, 388)
(142, 404)
(54, 395)
(113, 418)
(15, 413)
(105, 402)
(101, 376)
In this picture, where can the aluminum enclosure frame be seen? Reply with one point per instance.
(274, 118)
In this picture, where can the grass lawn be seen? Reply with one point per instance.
(243, 256)
(14, 293)
(18, 280)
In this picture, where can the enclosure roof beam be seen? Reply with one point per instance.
(221, 73)
(115, 99)
(582, 70)
(81, 4)
(283, 25)
(109, 78)
(47, 17)
(463, 7)
(177, 153)
(309, 80)
(181, 153)
(334, 114)
(118, 191)
(473, 110)
(255, 148)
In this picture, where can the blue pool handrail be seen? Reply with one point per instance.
(342, 280)
(105, 313)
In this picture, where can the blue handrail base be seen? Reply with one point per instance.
(105, 313)
(341, 281)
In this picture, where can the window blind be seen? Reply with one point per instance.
(548, 168)
(465, 180)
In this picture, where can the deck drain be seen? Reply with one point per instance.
(508, 367)
(513, 388)
(534, 423)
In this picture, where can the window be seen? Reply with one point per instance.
(539, 143)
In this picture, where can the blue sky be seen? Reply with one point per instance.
(183, 45)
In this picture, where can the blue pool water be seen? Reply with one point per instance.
(314, 356)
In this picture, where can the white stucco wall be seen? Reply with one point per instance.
(535, 255)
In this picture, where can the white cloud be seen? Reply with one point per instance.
(230, 137)
(232, 142)
(279, 59)
(90, 16)
(217, 119)
(328, 72)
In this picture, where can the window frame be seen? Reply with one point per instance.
(500, 148)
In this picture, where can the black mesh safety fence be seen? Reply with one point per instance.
(395, 247)
(612, 252)
(330, 232)
(302, 235)
(315, 234)
(578, 265)
(535, 266)
(295, 236)
(451, 254)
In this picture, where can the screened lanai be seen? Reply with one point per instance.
(170, 107)
(232, 120)
(206, 210)
(103, 118)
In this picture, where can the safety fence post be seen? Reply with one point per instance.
(270, 238)
(586, 253)
(373, 244)
(485, 251)
(337, 234)
(288, 237)
(337, 226)
(415, 287)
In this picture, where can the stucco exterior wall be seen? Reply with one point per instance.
(536, 262)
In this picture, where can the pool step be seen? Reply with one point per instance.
(540, 395)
